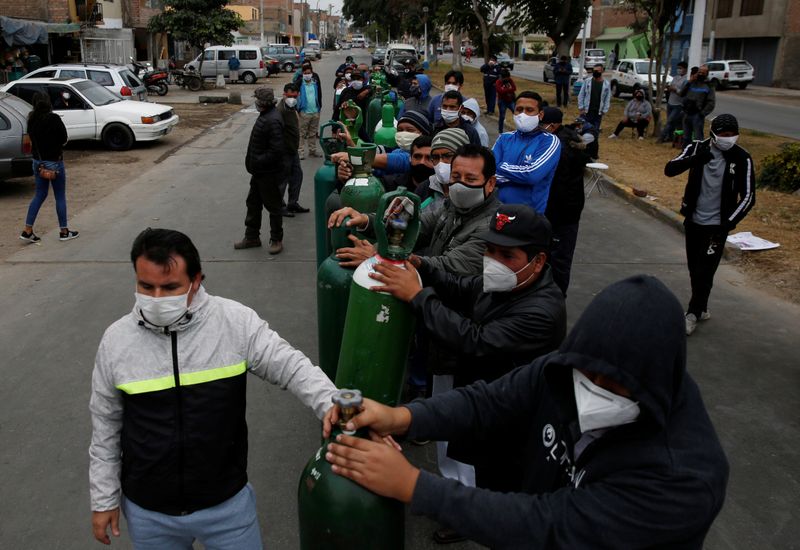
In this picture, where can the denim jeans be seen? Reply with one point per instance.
(43, 187)
(294, 181)
(674, 121)
(502, 106)
(693, 127)
(490, 94)
(230, 525)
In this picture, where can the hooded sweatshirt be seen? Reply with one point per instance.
(658, 482)
(472, 105)
(421, 102)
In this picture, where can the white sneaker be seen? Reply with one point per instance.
(705, 316)
(691, 323)
(612, 136)
(641, 138)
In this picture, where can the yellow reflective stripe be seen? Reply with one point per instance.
(187, 379)
(210, 375)
(145, 386)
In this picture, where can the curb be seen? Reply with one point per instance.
(731, 253)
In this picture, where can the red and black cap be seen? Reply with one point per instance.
(518, 225)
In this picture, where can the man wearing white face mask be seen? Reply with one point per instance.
(527, 158)
(720, 192)
(291, 131)
(453, 81)
(169, 437)
(614, 444)
(451, 117)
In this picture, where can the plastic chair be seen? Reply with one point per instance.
(596, 177)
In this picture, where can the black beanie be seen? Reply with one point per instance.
(724, 123)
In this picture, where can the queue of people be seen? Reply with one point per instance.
(544, 438)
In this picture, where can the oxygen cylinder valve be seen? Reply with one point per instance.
(349, 402)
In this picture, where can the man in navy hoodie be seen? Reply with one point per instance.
(527, 158)
(616, 449)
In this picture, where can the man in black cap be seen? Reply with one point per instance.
(720, 192)
(565, 201)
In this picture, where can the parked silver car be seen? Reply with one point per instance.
(593, 57)
(548, 73)
(15, 145)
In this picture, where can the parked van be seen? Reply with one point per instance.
(397, 49)
(314, 46)
(289, 56)
(252, 64)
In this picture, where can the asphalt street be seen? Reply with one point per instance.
(763, 109)
(57, 299)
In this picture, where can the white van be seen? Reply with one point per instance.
(314, 46)
(397, 49)
(252, 65)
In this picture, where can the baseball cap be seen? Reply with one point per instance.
(552, 115)
(518, 225)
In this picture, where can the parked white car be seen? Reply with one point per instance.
(92, 112)
(116, 78)
(725, 73)
(633, 74)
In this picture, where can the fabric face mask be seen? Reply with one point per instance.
(449, 116)
(526, 123)
(467, 118)
(442, 172)
(347, 76)
(308, 77)
(290, 102)
(420, 172)
(465, 197)
(356, 84)
(724, 143)
(164, 311)
(451, 87)
(498, 277)
(405, 139)
(600, 408)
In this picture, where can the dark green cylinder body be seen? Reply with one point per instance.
(377, 335)
(338, 514)
(324, 185)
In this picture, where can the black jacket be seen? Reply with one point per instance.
(48, 136)
(266, 152)
(291, 127)
(738, 183)
(658, 482)
(566, 199)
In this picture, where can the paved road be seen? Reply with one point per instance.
(57, 298)
(759, 109)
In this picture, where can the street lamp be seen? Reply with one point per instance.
(425, 11)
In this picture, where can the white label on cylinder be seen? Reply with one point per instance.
(383, 315)
(356, 161)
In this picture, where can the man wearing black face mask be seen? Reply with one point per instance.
(594, 99)
(637, 115)
(699, 100)
(720, 192)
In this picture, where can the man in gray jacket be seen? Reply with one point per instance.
(638, 113)
(169, 437)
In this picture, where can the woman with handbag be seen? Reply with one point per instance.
(48, 136)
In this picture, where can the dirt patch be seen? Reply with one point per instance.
(775, 216)
(94, 172)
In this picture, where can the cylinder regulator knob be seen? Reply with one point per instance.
(349, 402)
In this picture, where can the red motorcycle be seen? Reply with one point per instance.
(155, 80)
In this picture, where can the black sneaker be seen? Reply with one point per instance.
(30, 237)
(287, 213)
(67, 235)
(297, 209)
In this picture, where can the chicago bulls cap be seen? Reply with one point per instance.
(518, 225)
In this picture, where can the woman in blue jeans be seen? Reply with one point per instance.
(48, 136)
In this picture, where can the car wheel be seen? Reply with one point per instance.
(288, 67)
(118, 137)
(614, 88)
(249, 78)
(743, 85)
(544, 76)
(162, 88)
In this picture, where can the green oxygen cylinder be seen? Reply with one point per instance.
(378, 327)
(373, 115)
(363, 190)
(385, 134)
(338, 514)
(333, 291)
(324, 185)
(352, 117)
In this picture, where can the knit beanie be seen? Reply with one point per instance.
(419, 121)
(450, 138)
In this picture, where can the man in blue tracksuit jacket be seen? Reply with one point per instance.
(527, 158)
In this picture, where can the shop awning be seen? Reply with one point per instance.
(23, 32)
(63, 28)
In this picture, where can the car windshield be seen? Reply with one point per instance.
(96, 94)
(643, 67)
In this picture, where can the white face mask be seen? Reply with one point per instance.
(526, 123)
(724, 143)
(464, 197)
(449, 116)
(347, 76)
(451, 87)
(442, 172)
(600, 408)
(290, 102)
(498, 277)
(66, 95)
(308, 77)
(468, 118)
(405, 139)
(356, 84)
(163, 311)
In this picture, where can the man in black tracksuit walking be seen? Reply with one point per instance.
(266, 162)
(618, 448)
(720, 192)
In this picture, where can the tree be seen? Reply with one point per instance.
(560, 21)
(488, 13)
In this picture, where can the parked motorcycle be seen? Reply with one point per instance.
(155, 80)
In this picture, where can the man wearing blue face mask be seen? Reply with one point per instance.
(169, 436)
(720, 192)
(527, 158)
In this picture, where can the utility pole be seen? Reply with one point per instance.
(425, 11)
(696, 41)
(586, 29)
(261, 17)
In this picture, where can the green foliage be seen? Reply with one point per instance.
(561, 21)
(498, 42)
(781, 171)
(197, 21)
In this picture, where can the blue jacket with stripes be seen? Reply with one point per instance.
(526, 163)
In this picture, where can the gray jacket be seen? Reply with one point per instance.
(636, 110)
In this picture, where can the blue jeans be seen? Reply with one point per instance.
(490, 93)
(674, 121)
(693, 127)
(502, 106)
(43, 186)
(294, 181)
(230, 525)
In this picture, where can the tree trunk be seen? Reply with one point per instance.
(457, 51)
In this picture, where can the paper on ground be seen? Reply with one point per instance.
(745, 240)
